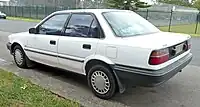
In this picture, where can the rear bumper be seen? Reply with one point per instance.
(2, 17)
(133, 76)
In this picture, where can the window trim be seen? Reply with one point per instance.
(101, 33)
(37, 27)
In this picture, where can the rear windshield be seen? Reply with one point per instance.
(126, 24)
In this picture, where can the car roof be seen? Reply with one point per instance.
(90, 10)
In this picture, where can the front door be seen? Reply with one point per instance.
(44, 45)
(79, 41)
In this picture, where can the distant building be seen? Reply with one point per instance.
(4, 2)
(60, 3)
(169, 7)
(65, 3)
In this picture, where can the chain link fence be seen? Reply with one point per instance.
(174, 21)
(35, 12)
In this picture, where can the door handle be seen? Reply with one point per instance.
(52, 42)
(86, 46)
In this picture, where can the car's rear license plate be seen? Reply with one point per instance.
(179, 48)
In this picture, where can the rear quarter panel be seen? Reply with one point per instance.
(132, 56)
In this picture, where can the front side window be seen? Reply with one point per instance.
(54, 25)
(126, 24)
(82, 25)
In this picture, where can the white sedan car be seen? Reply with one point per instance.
(2, 15)
(114, 49)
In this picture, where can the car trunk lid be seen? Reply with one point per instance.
(158, 40)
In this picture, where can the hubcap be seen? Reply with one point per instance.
(18, 56)
(100, 82)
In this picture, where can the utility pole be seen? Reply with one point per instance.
(82, 4)
(45, 2)
(33, 2)
(76, 3)
(98, 3)
(55, 3)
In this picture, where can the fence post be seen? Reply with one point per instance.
(197, 22)
(30, 9)
(36, 12)
(147, 14)
(15, 11)
(170, 20)
(54, 8)
(3, 8)
(22, 11)
(10, 10)
(45, 11)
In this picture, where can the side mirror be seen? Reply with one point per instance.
(32, 30)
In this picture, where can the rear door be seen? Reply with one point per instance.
(79, 41)
(45, 43)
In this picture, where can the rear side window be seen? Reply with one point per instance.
(126, 24)
(94, 30)
(54, 25)
(82, 25)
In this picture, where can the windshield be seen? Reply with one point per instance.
(129, 24)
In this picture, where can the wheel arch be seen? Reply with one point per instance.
(96, 58)
(101, 59)
(15, 44)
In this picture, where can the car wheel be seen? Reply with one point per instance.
(19, 57)
(102, 81)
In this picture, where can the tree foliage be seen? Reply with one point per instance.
(194, 3)
(127, 4)
(177, 2)
(197, 4)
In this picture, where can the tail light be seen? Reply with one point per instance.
(189, 44)
(159, 56)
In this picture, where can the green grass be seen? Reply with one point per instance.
(23, 19)
(188, 29)
(195, 35)
(18, 92)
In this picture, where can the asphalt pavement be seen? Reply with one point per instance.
(15, 26)
(183, 90)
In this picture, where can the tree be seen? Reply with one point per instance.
(177, 2)
(127, 4)
(197, 4)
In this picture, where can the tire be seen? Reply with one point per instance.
(95, 80)
(19, 57)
